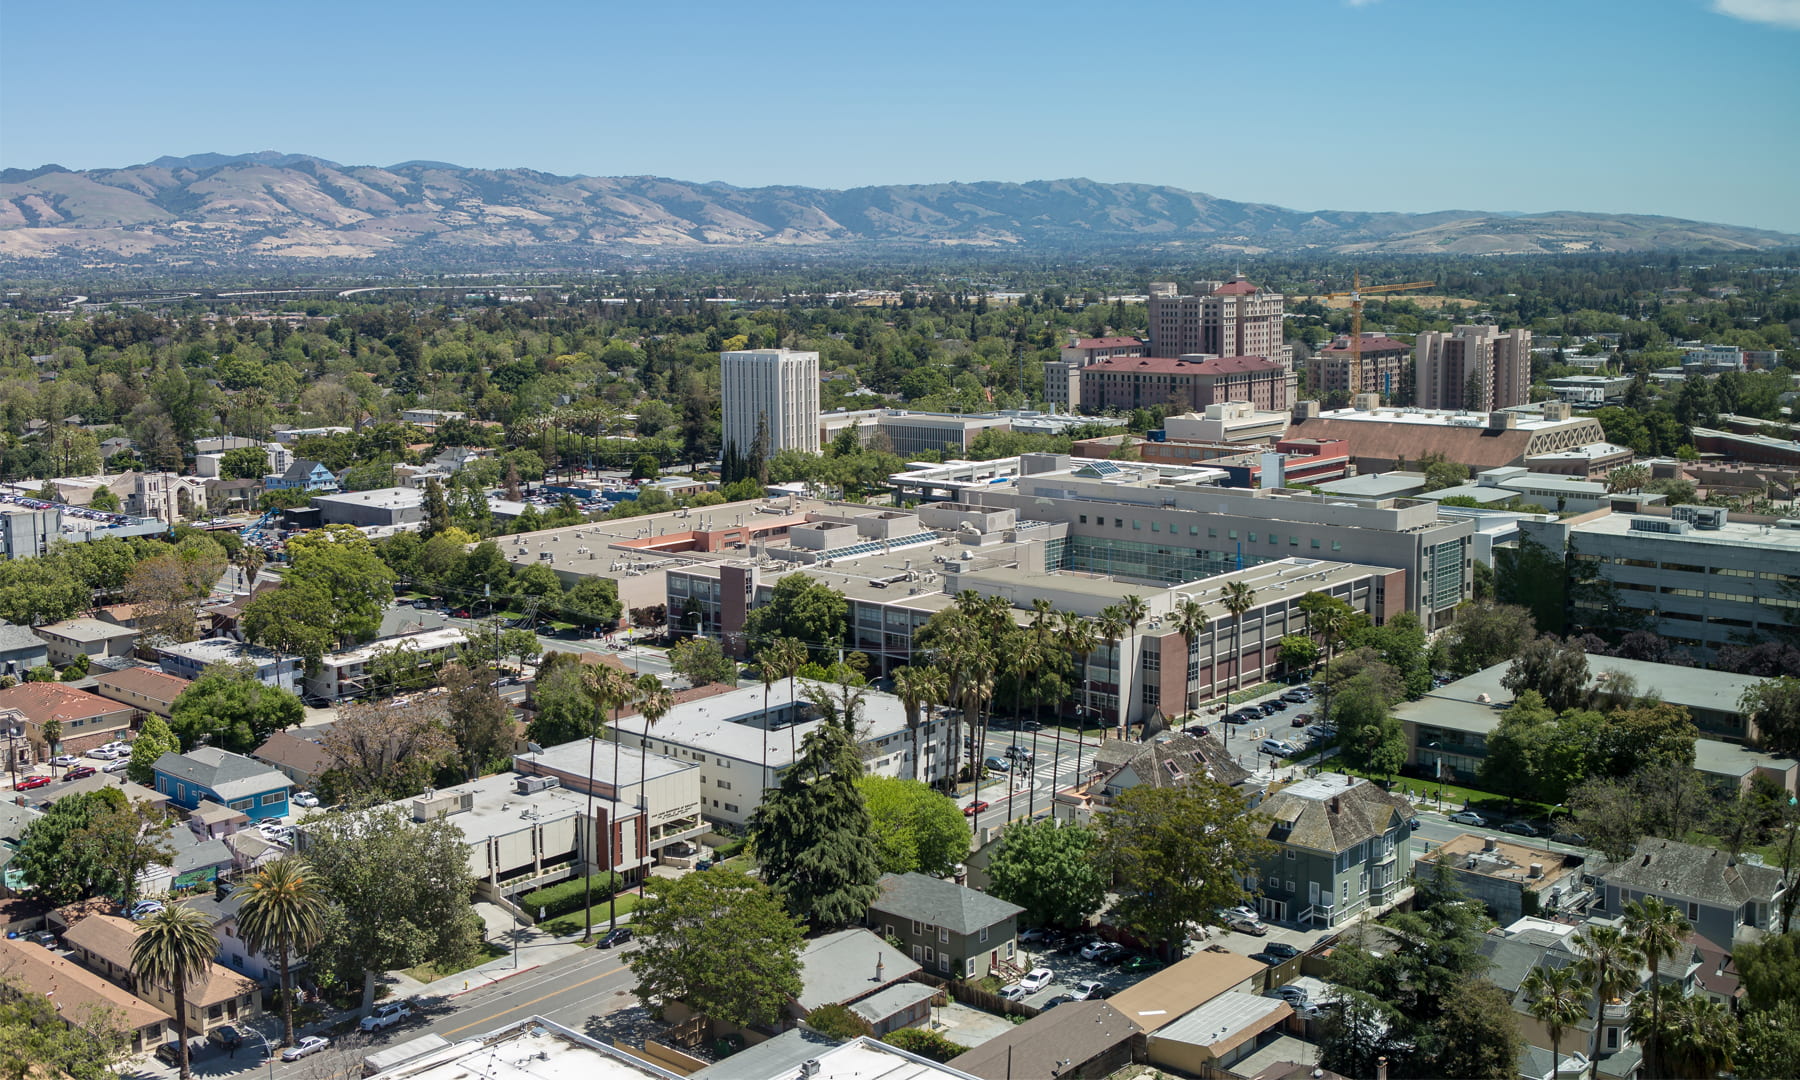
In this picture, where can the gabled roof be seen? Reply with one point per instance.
(301, 469)
(1168, 761)
(848, 966)
(228, 775)
(41, 701)
(926, 899)
(110, 938)
(76, 988)
(1077, 1032)
(1669, 868)
(1331, 812)
(285, 748)
(17, 638)
(148, 682)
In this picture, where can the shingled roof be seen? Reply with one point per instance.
(1669, 868)
(227, 775)
(1168, 761)
(1331, 812)
(931, 900)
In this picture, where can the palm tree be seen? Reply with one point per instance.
(1609, 964)
(1076, 634)
(1239, 598)
(767, 674)
(174, 947)
(1132, 610)
(1701, 1037)
(1023, 656)
(786, 657)
(282, 912)
(1559, 1001)
(607, 687)
(1659, 932)
(1111, 629)
(654, 702)
(918, 688)
(250, 559)
(1190, 623)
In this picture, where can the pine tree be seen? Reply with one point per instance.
(437, 508)
(812, 834)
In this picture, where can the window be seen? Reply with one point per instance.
(943, 935)
(930, 955)
(1315, 543)
(943, 961)
(1118, 523)
(1344, 891)
(731, 807)
(984, 935)
(918, 928)
(1084, 519)
(1252, 538)
(1156, 526)
(724, 784)
(1337, 545)
(1290, 854)
(1362, 886)
(890, 931)
(1693, 912)
(970, 974)
(918, 953)
(1194, 530)
(243, 804)
(274, 798)
(1136, 524)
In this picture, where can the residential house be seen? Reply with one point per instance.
(145, 689)
(950, 929)
(208, 774)
(189, 659)
(1084, 1039)
(1725, 898)
(1511, 878)
(1343, 849)
(222, 907)
(197, 859)
(1533, 943)
(103, 943)
(21, 650)
(95, 639)
(14, 819)
(82, 997)
(297, 754)
(301, 475)
(858, 970)
(87, 720)
(1168, 760)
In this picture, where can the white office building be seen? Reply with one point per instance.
(775, 388)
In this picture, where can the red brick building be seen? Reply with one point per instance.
(1386, 367)
(1187, 383)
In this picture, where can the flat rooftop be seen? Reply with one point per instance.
(635, 766)
(1227, 1021)
(532, 1049)
(1732, 533)
(443, 637)
(1386, 485)
(731, 725)
(1444, 418)
(392, 498)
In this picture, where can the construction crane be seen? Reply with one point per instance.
(1356, 294)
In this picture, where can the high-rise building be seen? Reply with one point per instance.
(1235, 318)
(1476, 368)
(1062, 376)
(775, 389)
(1385, 368)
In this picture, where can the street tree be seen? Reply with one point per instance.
(400, 893)
(1370, 737)
(477, 719)
(154, 740)
(1769, 1041)
(812, 834)
(1485, 634)
(1178, 852)
(282, 909)
(702, 661)
(341, 561)
(721, 943)
(1049, 869)
(915, 828)
(386, 750)
(230, 708)
(562, 711)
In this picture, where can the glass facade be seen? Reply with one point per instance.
(1151, 561)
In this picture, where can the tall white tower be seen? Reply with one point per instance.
(777, 388)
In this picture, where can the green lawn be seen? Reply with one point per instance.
(598, 915)
(431, 972)
(1456, 797)
(743, 864)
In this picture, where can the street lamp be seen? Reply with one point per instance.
(13, 734)
(268, 1050)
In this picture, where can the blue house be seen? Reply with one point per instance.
(208, 774)
(302, 475)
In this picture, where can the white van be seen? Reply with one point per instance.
(1276, 747)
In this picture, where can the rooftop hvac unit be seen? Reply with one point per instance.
(531, 785)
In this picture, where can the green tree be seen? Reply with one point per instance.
(1769, 970)
(1658, 932)
(400, 891)
(1177, 852)
(1049, 869)
(244, 463)
(927, 1044)
(154, 739)
(561, 710)
(174, 948)
(437, 508)
(702, 662)
(837, 1022)
(801, 608)
(1557, 670)
(1769, 1041)
(1774, 706)
(1609, 964)
(645, 468)
(477, 718)
(281, 912)
(1555, 998)
(915, 828)
(1298, 652)
(342, 563)
(721, 943)
(389, 750)
(44, 1039)
(593, 601)
(1486, 634)
(812, 833)
(93, 843)
(296, 619)
(1370, 736)
(1644, 736)
(232, 708)
(1478, 1034)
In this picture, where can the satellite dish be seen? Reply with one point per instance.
(534, 748)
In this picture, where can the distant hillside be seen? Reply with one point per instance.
(281, 209)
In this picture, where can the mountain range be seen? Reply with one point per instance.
(273, 209)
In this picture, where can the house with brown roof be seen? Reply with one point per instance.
(95, 639)
(1081, 1039)
(1185, 986)
(144, 689)
(298, 754)
(79, 993)
(103, 943)
(1168, 760)
(1343, 847)
(87, 720)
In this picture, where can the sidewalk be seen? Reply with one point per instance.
(530, 947)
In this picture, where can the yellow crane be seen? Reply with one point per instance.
(1356, 294)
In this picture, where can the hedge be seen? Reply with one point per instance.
(926, 1044)
(567, 896)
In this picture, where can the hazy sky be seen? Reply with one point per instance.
(1681, 107)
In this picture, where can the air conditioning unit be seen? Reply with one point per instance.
(531, 785)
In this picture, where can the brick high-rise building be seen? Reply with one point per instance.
(1186, 383)
(1062, 377)
(1477, 368)
(777, 389)
(1232, 319)
(1386, 368)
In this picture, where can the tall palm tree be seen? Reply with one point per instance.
(1043, 644)
(992, 616)
(174, 948)
(1077, 635)
(1609, 964)
(1111, 629)
(607, 687)
(1190, 623)
(1558, 1000)
(919, 688)
(282, 912)
(1239, 598)
(1132, 610)
(653, 703)
(1701, 1037)
(1659, 932)
(786, 657)
(767, 674)
(1022, 657)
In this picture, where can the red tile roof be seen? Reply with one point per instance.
(156, 685)
(41, 701)
(1240, 287)
(1174, 365)
(1106, 342)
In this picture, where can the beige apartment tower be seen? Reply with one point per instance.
(1233, 318)
(777, 389)
(1476, 368)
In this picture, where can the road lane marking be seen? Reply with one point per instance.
(535, 1000)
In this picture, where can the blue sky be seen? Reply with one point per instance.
(1681, 107)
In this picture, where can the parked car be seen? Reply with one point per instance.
(1290, 993)
(227, 1036)
(614, 938)
(997, 764)
(1198, 729)
(1111, 954)
(42, 937)
(116, 766)
(32, 782)
(1275, 747)
(1468, 817)
(104, 753)
(65, 760)
(312, 1044)
(1266, 957)
(1097, 948)
(1281, 949)
(386, 1015)
(1297, 696)
(1566, 837)
(1060, 999)
(1037, 979)
(975, 807)
(1014, 992)
(1518, 828)
(1033, 935)
(169, 1053)
(1139, 962)
(1019, 753)
(1301, 720)
(144, 909)
(305, 798)
(80, 772)
(1272, 707)
(1252, 927)
(1242, 911)
(1090, 990)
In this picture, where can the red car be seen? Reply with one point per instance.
(32, 782)
(975, 808)
(79, 772)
